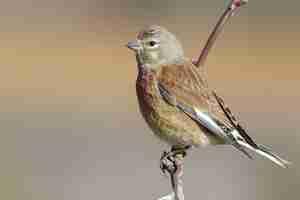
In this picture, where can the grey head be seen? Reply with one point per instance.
(155, 46)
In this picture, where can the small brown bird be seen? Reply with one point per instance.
(176, 102)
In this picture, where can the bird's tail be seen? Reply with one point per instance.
(243, 140)
(265, 152)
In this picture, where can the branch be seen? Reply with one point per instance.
(175, 170)
(229, 11)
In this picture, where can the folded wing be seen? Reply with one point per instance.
(184, 87)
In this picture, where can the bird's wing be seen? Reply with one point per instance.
(235, 123)
(185, 88)
(181, 85)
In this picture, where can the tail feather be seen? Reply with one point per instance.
(243, 150)
(241, 140)
(267, 153)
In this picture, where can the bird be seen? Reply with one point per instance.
(177, 103)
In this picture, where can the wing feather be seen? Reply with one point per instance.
(186, 88)
(183, 86)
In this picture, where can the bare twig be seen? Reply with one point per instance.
(176, 178)
(229, 11)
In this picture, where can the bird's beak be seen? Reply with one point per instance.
(133, 45)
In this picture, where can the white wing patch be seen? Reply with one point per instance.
(205, 120)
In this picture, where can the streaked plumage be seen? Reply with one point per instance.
(176, 102)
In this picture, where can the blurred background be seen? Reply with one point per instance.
(69, 121)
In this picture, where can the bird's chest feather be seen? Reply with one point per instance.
(148, 94)
(165, 120)
(154, 109)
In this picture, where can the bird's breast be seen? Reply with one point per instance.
(164, 120)
(147, 92)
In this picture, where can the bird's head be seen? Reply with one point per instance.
(155, 45)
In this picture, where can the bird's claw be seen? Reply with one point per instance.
(168, 162)
(168, 159)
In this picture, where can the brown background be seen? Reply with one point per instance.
(69, 123)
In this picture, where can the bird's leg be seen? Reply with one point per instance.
(167, 163)
(167, 159)
(229, 11)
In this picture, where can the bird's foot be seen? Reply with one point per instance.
(167, 162)
(168, 159)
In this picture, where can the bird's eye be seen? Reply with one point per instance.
(152, 43)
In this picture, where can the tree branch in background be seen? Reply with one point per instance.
(229, 11)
